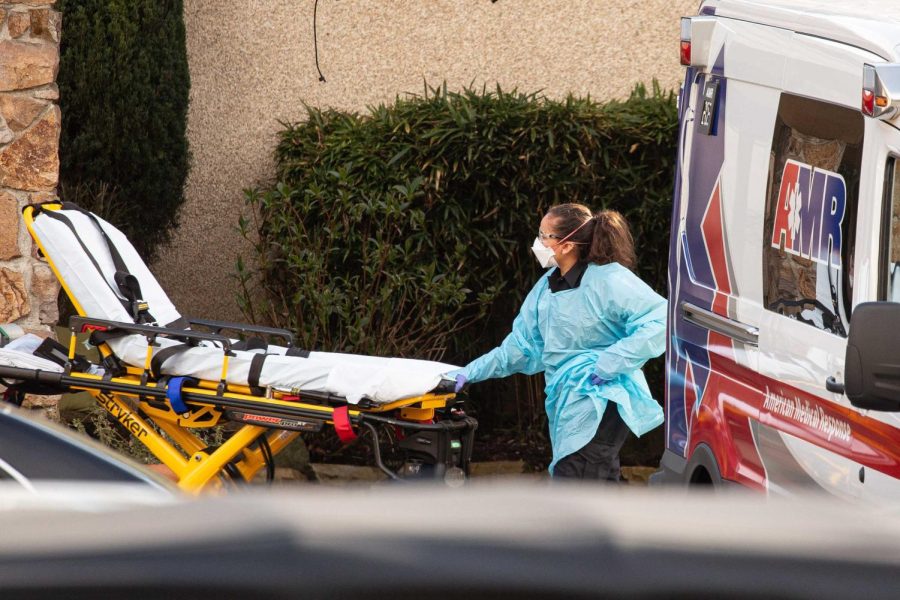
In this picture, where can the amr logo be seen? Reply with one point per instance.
(811, 207)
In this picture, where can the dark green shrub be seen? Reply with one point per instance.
(123, 82)
(406, 231)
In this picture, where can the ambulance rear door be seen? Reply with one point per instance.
(821, 198)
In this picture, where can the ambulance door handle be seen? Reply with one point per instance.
(736, 330)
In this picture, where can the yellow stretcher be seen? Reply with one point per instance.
(165, 411)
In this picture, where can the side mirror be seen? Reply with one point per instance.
(872, 363)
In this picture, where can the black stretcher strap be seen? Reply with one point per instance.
(161, 356)
(55, 352)
(65, 221)
(128, 284)
(299, 352)
(256, 366)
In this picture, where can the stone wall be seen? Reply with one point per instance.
(252, 65)
(29, 157)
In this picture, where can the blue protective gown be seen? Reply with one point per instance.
(611, 324)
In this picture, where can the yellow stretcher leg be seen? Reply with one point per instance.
(190, 443)
(203, 467)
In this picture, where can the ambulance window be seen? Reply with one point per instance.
(892, 198)
(811, 201)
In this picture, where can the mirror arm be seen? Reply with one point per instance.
(834, 386)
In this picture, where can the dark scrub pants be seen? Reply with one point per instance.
(598, 460)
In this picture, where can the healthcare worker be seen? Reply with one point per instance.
(589, 324)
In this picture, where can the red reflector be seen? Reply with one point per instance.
(342, 427)
(89, 328)
(685, 53)
(868, 102)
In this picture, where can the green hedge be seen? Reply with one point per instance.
(406, 231)
(123, 82)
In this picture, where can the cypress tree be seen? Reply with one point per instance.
(124, 85)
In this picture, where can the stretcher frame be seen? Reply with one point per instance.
(269, 422)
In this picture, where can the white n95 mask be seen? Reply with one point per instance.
(543, 254)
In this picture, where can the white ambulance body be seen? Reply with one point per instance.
(785, 250)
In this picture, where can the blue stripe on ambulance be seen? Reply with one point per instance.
(697, 286)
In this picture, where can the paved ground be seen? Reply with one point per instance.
(349, 475)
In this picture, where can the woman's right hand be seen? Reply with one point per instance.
(597, 380)
(461, 381)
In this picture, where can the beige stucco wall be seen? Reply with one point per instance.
(252, 65)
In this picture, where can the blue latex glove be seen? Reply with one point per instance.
(461, 381)
(597, 380)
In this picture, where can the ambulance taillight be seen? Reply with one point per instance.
(881, 91)
(686, 41)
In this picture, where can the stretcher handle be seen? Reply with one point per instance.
(16, 374)
(218, 326)
(81, 324)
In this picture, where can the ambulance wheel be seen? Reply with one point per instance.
(701, 476)
(703, 468)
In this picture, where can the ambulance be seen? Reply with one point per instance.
(783, 356)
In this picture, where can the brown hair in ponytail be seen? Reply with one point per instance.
(606, 240)
(612, 240)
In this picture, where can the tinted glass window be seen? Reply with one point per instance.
(811, 212)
